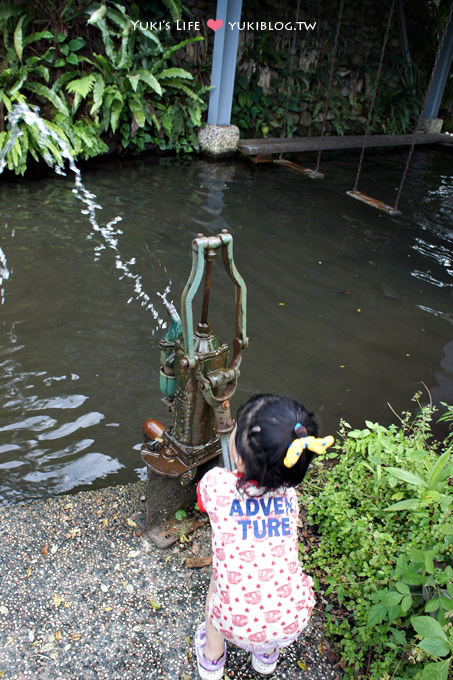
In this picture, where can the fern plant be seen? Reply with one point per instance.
(130, 88)
(138, 90)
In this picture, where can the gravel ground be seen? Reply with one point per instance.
(85, 596)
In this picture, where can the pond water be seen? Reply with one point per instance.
(349, 310)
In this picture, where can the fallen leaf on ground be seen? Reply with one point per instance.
(197, 562)
(323, 647)
(155, 605)
(72, 533)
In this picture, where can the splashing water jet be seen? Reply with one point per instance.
(109, 232)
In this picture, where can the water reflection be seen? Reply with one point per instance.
(4, 271)
(443, 390)
(85, 469)
(214, 179)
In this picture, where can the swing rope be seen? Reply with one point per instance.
(293, 45)
(373, 99)
(313, 174)
(329, 86)
(417, 127)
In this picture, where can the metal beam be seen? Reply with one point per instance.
(224, 62)
(437, 88)
(404, 41)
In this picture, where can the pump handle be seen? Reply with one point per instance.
(202, 248)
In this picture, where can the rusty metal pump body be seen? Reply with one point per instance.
(197, 383)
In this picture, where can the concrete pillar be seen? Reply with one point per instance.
(219, 137)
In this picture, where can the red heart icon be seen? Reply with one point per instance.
(215, 24)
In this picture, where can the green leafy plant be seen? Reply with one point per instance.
(383, 513)
(419, 585)
(250, 109)
(437, 642)
(129, 91)
(137, 89)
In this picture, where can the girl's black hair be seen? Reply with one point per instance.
(265, 429)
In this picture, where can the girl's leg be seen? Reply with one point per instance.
(214, 641)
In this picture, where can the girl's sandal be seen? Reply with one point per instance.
(265, 663)
(207, 669)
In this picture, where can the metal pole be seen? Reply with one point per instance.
(436, 91)
(225, 442)
(224, 62)
(404, 41)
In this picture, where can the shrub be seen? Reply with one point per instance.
(383, 514)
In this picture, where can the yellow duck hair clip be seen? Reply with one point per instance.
(315, 444)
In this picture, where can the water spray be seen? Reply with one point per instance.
(109, 233)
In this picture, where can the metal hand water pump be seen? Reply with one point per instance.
(197, 382)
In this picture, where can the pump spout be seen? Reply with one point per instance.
(174, 316)
(167, 345)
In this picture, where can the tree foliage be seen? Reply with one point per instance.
(384, 561)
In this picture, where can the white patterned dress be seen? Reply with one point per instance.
(261, 598)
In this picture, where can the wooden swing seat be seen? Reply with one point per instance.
(313, 174)
(373, 202)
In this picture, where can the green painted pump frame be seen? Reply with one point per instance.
(196, 380)
(204, 248)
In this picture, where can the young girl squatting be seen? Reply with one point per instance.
(259, 598)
